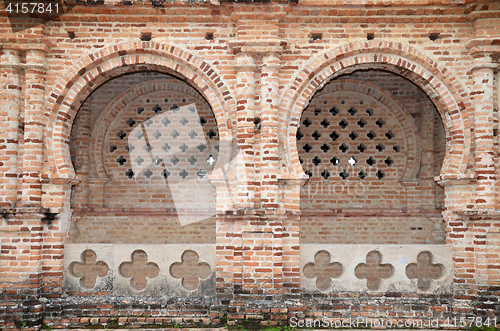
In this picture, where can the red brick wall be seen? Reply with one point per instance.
(132, 227)
(257, 75)
(333, 228)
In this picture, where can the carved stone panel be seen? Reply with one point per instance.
(424, 270)
(139, 270)
(190, 270)
(89, 269)
(382, 268)
(373, 270)
(323, 270)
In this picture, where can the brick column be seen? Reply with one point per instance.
(34, 103)
(250, 265)
(460, 237)
(10, 99)
(245, 128)
(482, 97)
(270, 100)
(427, 168)
(31, 199)
(82, 132)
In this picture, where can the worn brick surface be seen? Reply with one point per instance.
(272, 82)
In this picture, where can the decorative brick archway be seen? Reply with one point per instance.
(89, 73)
(445, 92)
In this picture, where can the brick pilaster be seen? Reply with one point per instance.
(10, 98)
(245, 129)
(482, 96)
(20, 268)
(57, 194)
(461, 238)
(250, 263)
(270, 100)
(291, 262)
(34, 103)
(228, 259)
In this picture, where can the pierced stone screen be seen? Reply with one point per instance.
(166, 136)
(353, 148)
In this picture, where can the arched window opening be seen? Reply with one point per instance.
(143, 146)
(371, 143)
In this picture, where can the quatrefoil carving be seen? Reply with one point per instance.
(373, 271)
(322, 270)
(89, 270)
(139, 270)
(424, 270)
(190, 270)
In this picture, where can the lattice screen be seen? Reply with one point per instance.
(189, 155)
(350, 138)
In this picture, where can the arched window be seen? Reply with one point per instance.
(143, 146)
(360, 141)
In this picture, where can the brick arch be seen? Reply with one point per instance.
(443, 89)
(95, 69)
(398, 110)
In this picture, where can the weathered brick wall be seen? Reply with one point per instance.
(258, 70)
(372, 228)
(21, 272)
